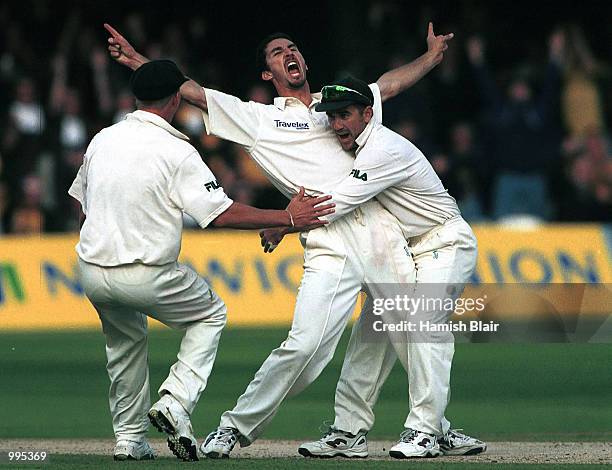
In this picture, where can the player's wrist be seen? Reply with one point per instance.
(291, 222)
(431, 58)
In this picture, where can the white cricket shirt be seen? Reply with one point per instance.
(137, 178)
(389, 167)
(292, 143)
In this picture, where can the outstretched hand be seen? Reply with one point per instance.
(436, 45)
(122, 51)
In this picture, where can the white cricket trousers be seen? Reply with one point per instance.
(175, 295)
(365, 245)
(445, 254)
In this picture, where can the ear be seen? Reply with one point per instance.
(368, 113)
(266, 75)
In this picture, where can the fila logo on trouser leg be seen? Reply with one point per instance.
(212, 185)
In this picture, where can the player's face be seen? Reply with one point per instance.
(348, 123)
(286, 64)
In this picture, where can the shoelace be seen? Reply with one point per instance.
(408, 435)
(455, 434)
(226, 435)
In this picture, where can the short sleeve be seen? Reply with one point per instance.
(78, 188)
(231, 119)
(378, 116)
(195, 190)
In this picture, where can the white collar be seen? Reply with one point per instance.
(281, 102)
(365, 134)
(145, 116)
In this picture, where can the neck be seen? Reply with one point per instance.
(163, 113)
(302, 93)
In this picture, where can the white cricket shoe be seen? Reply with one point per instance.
(169, 416)
(456, 443)
(414, 444)
(336, 443)
(131, 450)
(219, 443)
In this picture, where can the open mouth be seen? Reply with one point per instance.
(293, 69)
(343, 137)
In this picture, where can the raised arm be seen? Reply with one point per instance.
(124, 53)
(397, 80)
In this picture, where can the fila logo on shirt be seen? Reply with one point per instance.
(293, 125)
(212, 185)
(355, 173)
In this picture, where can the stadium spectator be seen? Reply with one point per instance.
(588, 174)
(462, 170)
(27, 217)
(58, 89)
(522, 132)
(21, 142)
(582, 106)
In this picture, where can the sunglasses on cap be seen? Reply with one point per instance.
(333, 92)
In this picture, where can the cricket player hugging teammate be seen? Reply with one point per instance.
(396, 214)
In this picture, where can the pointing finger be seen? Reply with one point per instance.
(112, 30)
(430, 31)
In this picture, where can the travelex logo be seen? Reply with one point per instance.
(292, 125)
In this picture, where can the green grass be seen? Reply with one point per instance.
(54, 385)
(97, 462)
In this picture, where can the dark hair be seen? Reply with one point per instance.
(260, 58)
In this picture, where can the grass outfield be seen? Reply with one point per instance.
(54, 385)
(96, 461)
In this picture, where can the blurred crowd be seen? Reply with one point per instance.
(528, 140)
